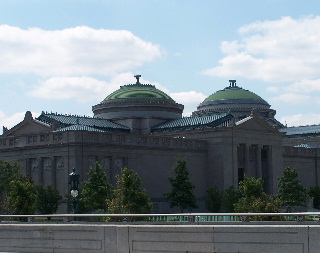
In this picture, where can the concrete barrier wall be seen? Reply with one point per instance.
(77, 238)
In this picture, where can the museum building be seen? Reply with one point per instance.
(231, 133)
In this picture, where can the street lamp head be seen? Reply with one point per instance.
(74, 180)
(74, 193)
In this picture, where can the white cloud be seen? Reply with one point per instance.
(83, 89)
(89, 89)
(74, 51)
(273, 89)
(302, 92)
(301, 119)
(231, 48)
(190, 100)
(284, 50)
(305, 86)
(14, 119)
(291, 98)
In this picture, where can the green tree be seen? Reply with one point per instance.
(230, 197)
(96, 190)
(314, 192)
(8, 172)
(251, 187)
(128, 195)
(21, 197)
(47, 199)
(213, 199)
(291, 190)
(181, 194)
(255, 200)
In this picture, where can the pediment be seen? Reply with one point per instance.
(28, 126)
(255, 124)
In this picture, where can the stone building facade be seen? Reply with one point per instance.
(232, 133)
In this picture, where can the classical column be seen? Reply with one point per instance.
(258, 162)
(29, 167)
(269, 169)
(54, 171)
(247, 161)
(40, 170)
(235, 164)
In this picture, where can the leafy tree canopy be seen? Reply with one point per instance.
(47, 199)
(214, 199)
(291, 190)
(314, 192)
(128, 195)
(255, 200)
(96, 190)
(8, 172)
(222, 200)
(17, 193)
(251, 187)
(230, 197)
(181, 194)
(21, 197)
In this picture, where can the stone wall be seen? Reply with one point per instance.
(77, 238)
(306, 161)
(49, 158)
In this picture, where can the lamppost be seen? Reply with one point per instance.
(74, 189)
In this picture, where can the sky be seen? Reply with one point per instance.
(66, 56)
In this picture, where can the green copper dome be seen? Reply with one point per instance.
(236, 100)
(138, 106)
(234, 94)
(137, 90)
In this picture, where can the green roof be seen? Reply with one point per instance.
(81, 123)
(194, 122)
(79, 128)
(233, 93)
(137, 91)
(301, 130)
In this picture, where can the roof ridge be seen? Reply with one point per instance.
(79, 128)
(69, 115)
(206, 114)
(303, 126)
(138, 84)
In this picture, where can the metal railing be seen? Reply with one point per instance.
(178, 217)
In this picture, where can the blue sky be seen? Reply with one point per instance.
(66, 56)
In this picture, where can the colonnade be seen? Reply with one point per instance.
(254, 160)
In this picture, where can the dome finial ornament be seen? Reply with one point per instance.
(137, 77)
(233, 83)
